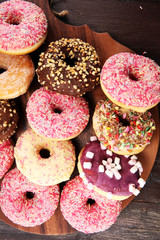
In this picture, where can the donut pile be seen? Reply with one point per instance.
(57, 112)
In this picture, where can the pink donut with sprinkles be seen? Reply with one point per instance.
(131, 81)
(6, 157)
(57, 116)
(25, 203)
(23, 27)
(86, 210)
(111, 175)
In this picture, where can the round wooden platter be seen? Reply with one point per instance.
(105, 46)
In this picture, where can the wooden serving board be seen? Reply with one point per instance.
(105, 47)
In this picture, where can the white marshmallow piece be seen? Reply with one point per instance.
(87, 165)
(109, 173)
(133, 169)
(132, 162)
(109, 152)
(127, 156)
(101, 168)
(141, 182)
(140, 169)
(131, 188)
(104, 162)
(93, 138)
(117, 175)
(117, 160)
(109, 160)
(118, 167)
(89, 154)
(134, 157)
(102, 146)
(138, 164)
(136, 192)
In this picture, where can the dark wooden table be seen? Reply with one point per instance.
(135, 24)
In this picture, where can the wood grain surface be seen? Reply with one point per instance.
(140, 219)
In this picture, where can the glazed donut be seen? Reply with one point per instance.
(111, 175)
(69, 66)
(17, 76)
(44, 161)
(6, 157)
(86, 210)
(57, 116)
(123, 131)
(25, 203)
(23, 27)
(131, 81)
(8, 119)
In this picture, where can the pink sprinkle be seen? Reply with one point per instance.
(124, 115)
(127, 129)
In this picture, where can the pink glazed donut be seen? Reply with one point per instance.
(57, 116)
(23, 27)
(131, 81)
(6, 157)
(86, 210)
(25, 203)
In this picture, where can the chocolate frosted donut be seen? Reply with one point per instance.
(111, 175)
(8, 119)
(69, 66)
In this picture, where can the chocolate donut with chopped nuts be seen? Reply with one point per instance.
(8, 119)
(69, 66)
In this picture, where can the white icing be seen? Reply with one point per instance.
(93, 138)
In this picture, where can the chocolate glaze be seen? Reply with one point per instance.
(69, 66)
(8, 119)
(102, 180)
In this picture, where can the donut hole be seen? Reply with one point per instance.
(70, 61)
(2, 70)
(44, 153)
(90, 201)
(132, 77)
(57, 110)
(29, 195)
(14, 19)
(123, 121)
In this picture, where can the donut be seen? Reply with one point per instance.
(57, 116)
(44, 161)
(85, 210)
(17, 74)
(109, 174)
(131, 81)
(8, 119)
(123, 131)
(6, 156)
(23, 27)
(25, 203)
(69, 66)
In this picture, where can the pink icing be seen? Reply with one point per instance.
(101, 180)
(22, 210)
(23, 24)
(6, 157)
(44, 120)
(82, 216)
(132, 79)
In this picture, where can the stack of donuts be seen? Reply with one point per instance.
(57, 112)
